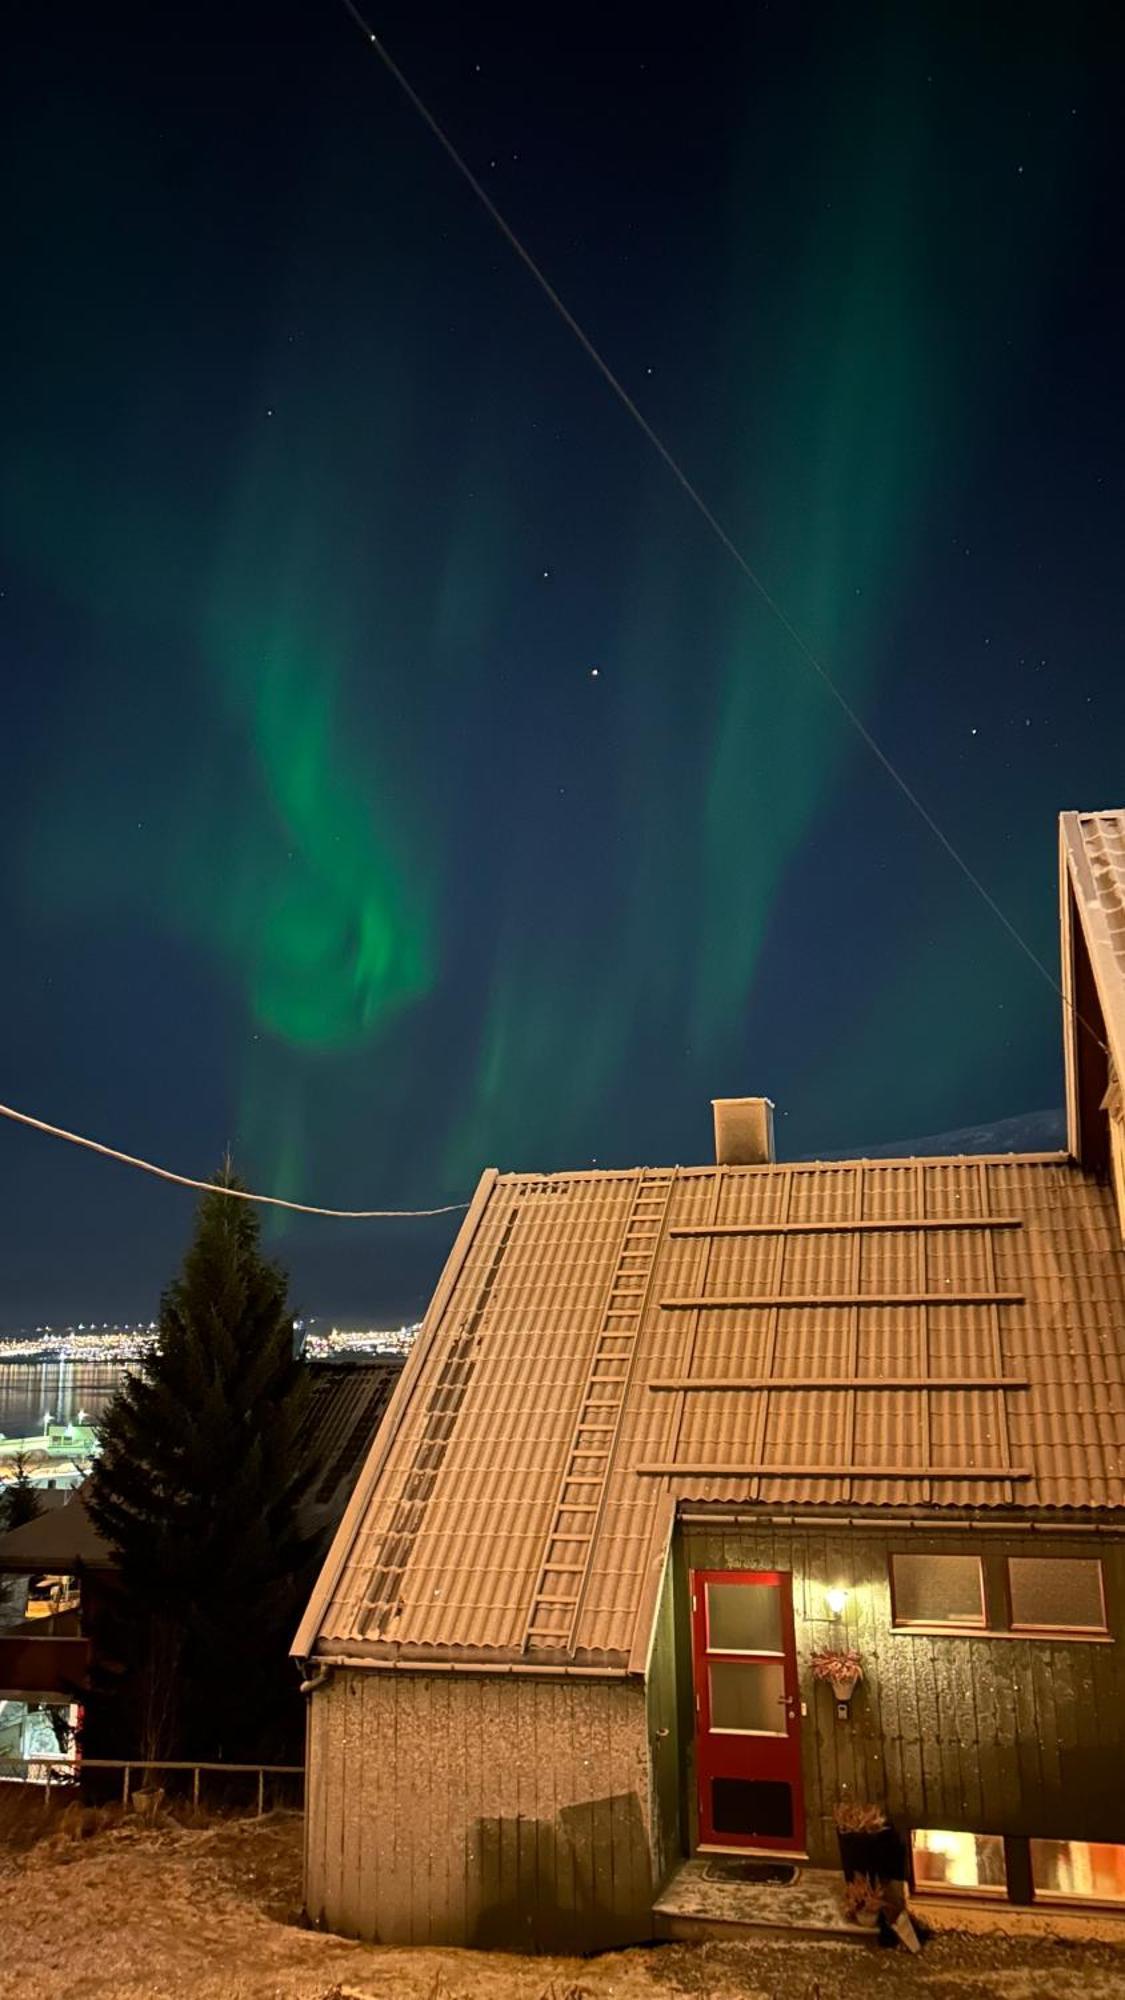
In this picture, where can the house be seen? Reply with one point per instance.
(348, 1403)
(62, 1589)
(667, 1434)
(53, 1570)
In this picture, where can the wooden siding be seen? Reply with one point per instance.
(667, 1747)
(993, 1735)
(480, 1810)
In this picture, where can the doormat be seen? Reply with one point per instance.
(781, 1873)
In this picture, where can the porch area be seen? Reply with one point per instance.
(723, 1897)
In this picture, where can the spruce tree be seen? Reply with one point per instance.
(21, 1502)
(197, 1486)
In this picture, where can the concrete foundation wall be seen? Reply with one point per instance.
(488, 1811)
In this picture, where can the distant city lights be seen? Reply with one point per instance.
(115, 1345)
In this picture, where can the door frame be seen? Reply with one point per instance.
(780, 1754)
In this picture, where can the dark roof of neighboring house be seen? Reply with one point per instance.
(348, 1401)
(58, 1540)
(931, 1334)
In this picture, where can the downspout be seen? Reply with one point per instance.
(316, 1679)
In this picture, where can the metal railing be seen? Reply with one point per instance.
(65, 1772)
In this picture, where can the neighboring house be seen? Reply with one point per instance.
(52, 1570)
(349, 1401)
(64, 1566)
(665, 1435)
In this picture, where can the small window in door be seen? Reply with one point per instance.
(757, 1808)
(741, 1619)
(750, 1699)
(937, 1590)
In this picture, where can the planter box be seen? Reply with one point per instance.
(880, 1856)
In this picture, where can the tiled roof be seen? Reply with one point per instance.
(1094, 853)
(923, 1333)
(347, 1405)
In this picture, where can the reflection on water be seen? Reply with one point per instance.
(28, 1389)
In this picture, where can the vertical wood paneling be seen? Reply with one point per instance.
(1001, 1735)
(450, 1809)
(1027, 1726)
(352, 1751)
(315, 1793)
(490, 1863)
(495, 1810)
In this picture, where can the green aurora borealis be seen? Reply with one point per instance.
(331, 522)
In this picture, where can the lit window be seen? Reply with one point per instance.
(1056, 1592)
(1079, 1870)
(937, 1590)
(959, 1861)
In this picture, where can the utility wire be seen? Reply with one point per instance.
(213, 1187)
(701, 506)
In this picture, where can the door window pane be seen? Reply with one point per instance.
(1083, 1869)
(752, 1806)
(748, 1695)
(1057, 1591)
(958, 1860)
(744, 1618)
(937, 1590)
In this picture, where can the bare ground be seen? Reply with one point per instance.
(104, 1908)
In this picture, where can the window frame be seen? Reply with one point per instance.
(938, 1625)
(1019, 1630)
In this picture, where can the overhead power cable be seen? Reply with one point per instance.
(213, 1187)
(701, 506)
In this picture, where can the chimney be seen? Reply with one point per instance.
(743, 1131)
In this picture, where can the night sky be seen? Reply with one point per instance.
(397, 776)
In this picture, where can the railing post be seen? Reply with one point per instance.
(125, 1788)
(47, 1790)
(195, 1789)
(261, 1790)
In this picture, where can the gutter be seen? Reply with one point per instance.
(540, 1670)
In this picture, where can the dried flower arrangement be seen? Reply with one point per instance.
(852, 1817)
(863, 1901)
(840, 1663)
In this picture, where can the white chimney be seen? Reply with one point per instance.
(743, 1131)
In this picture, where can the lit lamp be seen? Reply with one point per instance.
(837, 1601)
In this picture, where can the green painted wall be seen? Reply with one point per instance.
(996, 1735)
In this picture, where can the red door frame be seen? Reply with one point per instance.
(741, 1754)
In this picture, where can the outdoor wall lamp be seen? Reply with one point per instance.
(837, 1601)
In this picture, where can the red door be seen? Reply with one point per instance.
(747, 1710)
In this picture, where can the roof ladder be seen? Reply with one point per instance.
(559, 1585)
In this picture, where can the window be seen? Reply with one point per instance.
(1056, 1592)
(1082, 1870)
(959, 1861)
(937, 1590)
(741, 1619)
(748, 1698)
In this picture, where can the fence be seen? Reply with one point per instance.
(57, 1774)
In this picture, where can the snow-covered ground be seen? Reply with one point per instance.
(126, 1912)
